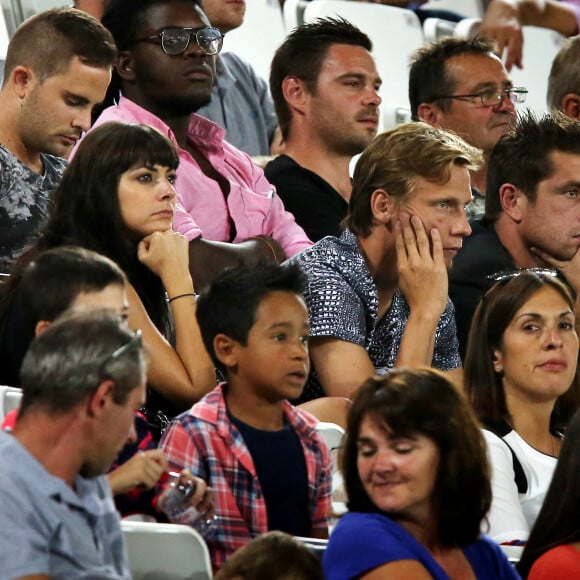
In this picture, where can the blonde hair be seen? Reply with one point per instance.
(394, 161)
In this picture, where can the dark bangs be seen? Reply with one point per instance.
(142, 145)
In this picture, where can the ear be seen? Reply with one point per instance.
(226, 350)
(101, 399)
(571, 106)
(512, 201)
(124, 66)
(383, 206)
(41, 326)
(295, 93)
(23, 80)
(430, 113)
(497, 361)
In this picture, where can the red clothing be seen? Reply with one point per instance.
(561, 563)
(10, 420)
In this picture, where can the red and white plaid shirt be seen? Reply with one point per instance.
(206, 442)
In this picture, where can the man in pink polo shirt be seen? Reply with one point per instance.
(165, 73)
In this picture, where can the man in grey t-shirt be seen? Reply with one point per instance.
(58, 67)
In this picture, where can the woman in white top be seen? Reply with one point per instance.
(520, 375)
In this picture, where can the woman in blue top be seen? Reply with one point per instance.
(417, 479)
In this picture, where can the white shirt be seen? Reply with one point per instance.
(512, 514)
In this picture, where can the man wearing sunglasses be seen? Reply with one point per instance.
(226, 207)
(532, 213)
(459, 84)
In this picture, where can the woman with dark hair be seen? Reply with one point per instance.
(416, 476)
(117, 198)
(552, 551)
(520, 372)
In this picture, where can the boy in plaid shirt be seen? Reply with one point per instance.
(267, 464)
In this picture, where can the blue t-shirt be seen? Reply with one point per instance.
(362, 542)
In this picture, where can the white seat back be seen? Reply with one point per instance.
(468, 8)
(540, 48)
(395, 34)
(331, 433)
(9, 400)
(262, 32)
(513, 553)
(293, 13)
(166, 552)
(17, 11)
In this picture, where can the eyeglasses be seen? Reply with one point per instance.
(135, 341)
(175, 41)
(492, 98)
(510, 274)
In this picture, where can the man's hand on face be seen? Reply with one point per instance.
(421, 265)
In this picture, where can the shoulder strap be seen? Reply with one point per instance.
(501, 429)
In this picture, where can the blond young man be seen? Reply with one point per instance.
(377, 295)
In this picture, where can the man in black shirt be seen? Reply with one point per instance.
(325, 84)
(532, 213)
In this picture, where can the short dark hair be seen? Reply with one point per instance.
(302, 54)
(47, 42)
(123, 18)
(522, 156)
(557, 522)
(493, 315)
(230, 304)
(53, 280)
(68, 361)
(429, 77)
(423, 401)
(391, 162)
(273, 555)
(565, 74)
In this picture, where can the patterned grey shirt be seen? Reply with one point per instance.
(24, 202)
(343, 302)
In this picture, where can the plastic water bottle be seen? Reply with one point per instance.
(175, 503)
